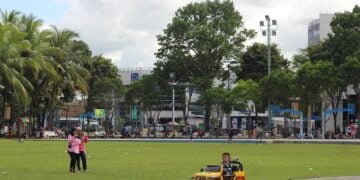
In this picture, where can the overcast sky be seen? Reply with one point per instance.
(125, 30)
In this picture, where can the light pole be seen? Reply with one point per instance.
(269, 32)
(172, 78)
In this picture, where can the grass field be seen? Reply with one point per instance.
(125, 160)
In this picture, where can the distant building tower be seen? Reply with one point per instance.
(318, 29)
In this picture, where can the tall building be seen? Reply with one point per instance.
(318, 29)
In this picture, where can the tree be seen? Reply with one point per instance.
(220, 98)
(278, 88)
(253, 64)
(342, 42)
(350, 69)
(146, 94)
(333, 82)
(308, 79)
(202, 36)
(244, 92)
(11, 47)
(101, 69)
(105, 95)
(345, 39)
(11, 17)
(298, 59)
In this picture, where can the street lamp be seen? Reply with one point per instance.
(172, 78)
(269, 32)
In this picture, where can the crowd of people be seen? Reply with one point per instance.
(76, 149)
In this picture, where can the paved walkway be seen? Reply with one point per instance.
(339, 178)
(266, 141)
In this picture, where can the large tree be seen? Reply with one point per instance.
(342, 42)
(202, 36)
(105, 85)
(147, 94)
(350, 70)
(333, 83)
(101, 69)
(247, 91)
(220, 99)
(308, 79)
(253, 62)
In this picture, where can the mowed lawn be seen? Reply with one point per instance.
(146, 160)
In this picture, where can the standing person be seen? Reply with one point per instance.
(353, 130)
(84, 139)
(231, 135)
(69, 149)
(75, 143)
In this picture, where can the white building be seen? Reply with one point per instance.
(318, 29)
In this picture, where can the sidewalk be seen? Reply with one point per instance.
(254, 141)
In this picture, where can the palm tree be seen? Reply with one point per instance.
(67, 76)
(11, 17)
(11, 47)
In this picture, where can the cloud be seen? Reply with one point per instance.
(125, 30)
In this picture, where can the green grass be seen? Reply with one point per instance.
(125, 160)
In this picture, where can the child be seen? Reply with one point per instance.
(227, 171)
(84, 139)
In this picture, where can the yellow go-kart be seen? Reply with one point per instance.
(216, 172)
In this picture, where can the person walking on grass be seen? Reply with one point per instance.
(84, 139)
(231, 135)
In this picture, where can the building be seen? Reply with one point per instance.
(128, 75)
(318, 29)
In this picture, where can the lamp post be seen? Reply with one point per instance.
(172, 78)
(269, 32)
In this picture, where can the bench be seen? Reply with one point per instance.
(48, 134)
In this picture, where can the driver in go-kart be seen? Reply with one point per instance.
(227, 169)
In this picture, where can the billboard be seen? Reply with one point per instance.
(134, 114)
(134, 77)
(99, 113)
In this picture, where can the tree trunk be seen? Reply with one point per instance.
(207, 116)
(335, 105)
(309, 117)
(358, 103)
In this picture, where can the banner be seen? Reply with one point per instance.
(134, 114)
(99, 113)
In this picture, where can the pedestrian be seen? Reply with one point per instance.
(84, 139)
(353, 130)
(69, 149)
(231, 134)
(75, 143)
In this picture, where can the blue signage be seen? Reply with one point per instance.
(134, 76)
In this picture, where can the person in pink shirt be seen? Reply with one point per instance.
(353, 130)
(84, 139)
(75, 143)
(69, 150)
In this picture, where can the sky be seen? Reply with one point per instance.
(125, 30)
